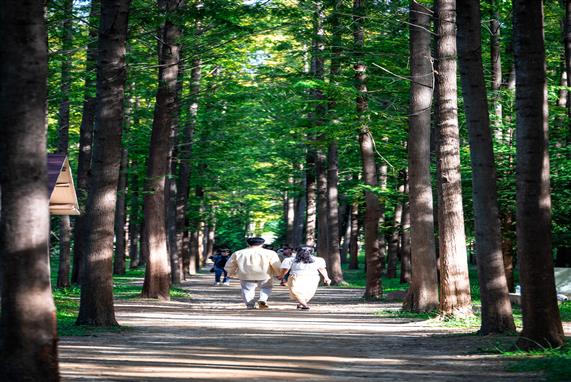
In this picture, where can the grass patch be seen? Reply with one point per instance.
(125, 287)
(555, 363)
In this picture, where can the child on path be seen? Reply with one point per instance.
(220, 259)
(304, 271)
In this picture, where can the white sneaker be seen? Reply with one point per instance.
(227, 283)
(217, 284)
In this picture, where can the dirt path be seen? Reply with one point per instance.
(213, 338)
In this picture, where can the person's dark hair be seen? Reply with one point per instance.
(303, 255)
(255, 241)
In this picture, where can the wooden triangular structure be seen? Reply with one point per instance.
(63, 199)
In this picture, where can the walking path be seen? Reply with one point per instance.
(213, 338)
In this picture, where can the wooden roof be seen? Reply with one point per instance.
(63, 199)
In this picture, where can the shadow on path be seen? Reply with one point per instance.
(213, 338)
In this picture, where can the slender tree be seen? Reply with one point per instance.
(422, 294)
(96, 303)
(121, 217)
(454, 282)
(63, 140)
(134, 223)
(185, 155)
(85, 138)
(28, 350)
(405, 241)
(157, 274)
(496, 307)
(336, 273)
(311, 198)
(371, 220)
(496, 61)
(354, 237)
(541, 320)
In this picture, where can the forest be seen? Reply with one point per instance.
(423, 144)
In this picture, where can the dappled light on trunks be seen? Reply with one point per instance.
(96, 305)
(454, 283)
(541, 321)
(28, 333)
(496, 307)
(422, 295)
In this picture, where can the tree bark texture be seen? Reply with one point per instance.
(85, 140)
(311, 198)
(567, 41)
(392, 258)
(121, 217)
(322, 210)
(373, 288)
(455, 296)
(496, 307)
(299, 216)
(63, 140)
(405, 242)
(354, 238)
(496, 66)
(96, 303)
(185, 155)
(28, 350)
(157, 273)
(541, 320)
(134, 223)
(335, 271)
(290, 211)
(422, 294)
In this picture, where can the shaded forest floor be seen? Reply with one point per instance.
(211, 337)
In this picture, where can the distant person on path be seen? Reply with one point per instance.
(220, 259)
(304, 270)
(286, 253)
(254, 266)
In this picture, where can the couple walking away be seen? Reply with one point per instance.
(255, 266)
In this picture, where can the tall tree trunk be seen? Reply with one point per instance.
(63, 140)
(187, 270)
(332, 152)
(157, 273)
(290, 211)
(121, 217)
(299, 216)
(567, 42)
(496, 58)
(185, 155)
(335, 271)
(85, 139)
(28, 350)
(496, 306)
(394, 240)
(423, 292)
(383, 169)
(134, 221)
(541, 320)
(373, 289)
(345, 231)
(311, 198)
(405, 239)
(96, 303)
(454, 282)
(322, 210)
(354, 238)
